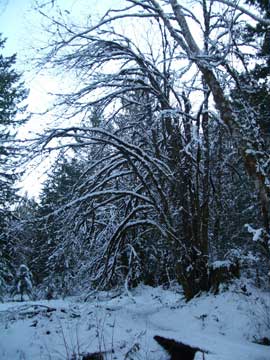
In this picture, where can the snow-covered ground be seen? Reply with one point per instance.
(225, 325)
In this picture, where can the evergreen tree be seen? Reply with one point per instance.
(255, 81)
(51, 255)
(251, 101)
(260, 34)
(12, 115)
(12, 94)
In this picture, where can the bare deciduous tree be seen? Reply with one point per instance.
(157, 96)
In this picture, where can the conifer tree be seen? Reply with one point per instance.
(12, 115)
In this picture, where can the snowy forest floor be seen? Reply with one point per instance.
(226, 325)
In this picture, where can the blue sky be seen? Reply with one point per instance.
(13, 14)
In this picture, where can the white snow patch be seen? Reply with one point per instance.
(221, 264)
(257, 233)
(223, 324)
